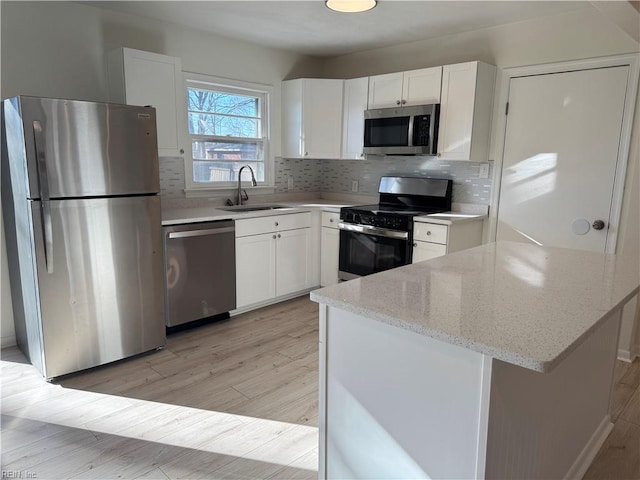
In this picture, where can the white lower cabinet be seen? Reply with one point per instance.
(432, 240)
(329, 249)
(255, 269)
(425, 250)
(276, 263)
(292, 260)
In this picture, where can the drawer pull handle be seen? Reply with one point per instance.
(274, 237)
(276, 224)
(428, 233)
(415, 244)
(279, 236)
(331, 220)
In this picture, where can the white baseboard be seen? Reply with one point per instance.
(8, 341)
(629, 355)
(590, 450)
(271, 301)
(624, 356)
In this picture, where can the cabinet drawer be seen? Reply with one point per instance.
(427, 250)
(275, 223)
(430, 232)
(330, 219)
(295, 220)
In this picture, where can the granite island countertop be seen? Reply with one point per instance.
(523, 304)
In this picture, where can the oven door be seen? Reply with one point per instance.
(365, 250)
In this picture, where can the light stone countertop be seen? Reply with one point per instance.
(177, 216)
(448, 218)
(181, 215)
(522, 304)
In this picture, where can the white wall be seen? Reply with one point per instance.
(57, 49)
(7, 331)
(583, 33)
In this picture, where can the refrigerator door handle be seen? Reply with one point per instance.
(43, 185)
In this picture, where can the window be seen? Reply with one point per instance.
(227, 125)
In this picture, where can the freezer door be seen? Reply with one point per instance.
(100, 281)
(86, 149)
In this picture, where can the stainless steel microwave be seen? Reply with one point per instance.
(402, 130)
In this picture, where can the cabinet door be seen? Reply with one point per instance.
(292, 119)
(292, 261)
(156, 80)
(354, 105)
(322, 118)
(255, 268)
(465, 111)
(385, 90)
(329, 257)
(426, 250)
(422, 87)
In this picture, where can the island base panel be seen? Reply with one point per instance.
(398, 404)
(551, 425)
(394, 403)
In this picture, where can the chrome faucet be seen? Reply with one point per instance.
(253, 182)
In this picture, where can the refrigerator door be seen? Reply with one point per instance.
(100, 283)
(86, 149)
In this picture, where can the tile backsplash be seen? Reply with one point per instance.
(306, 175)
(171, 177)
(336, 176)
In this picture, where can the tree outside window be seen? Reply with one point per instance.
(226, 125)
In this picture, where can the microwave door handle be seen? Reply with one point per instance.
(410, 132)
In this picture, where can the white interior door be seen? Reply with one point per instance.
(561, 148)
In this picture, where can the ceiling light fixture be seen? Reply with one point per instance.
(350, 6)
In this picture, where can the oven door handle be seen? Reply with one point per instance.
(369, 230)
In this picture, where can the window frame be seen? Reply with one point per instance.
(194, 80)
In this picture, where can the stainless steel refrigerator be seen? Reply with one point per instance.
(81, 211)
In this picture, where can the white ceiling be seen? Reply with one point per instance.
(308, 27)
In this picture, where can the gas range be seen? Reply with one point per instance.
(378, 237)
(384, 215)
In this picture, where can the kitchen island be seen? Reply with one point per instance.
(492, 362)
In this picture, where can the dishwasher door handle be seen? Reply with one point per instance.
(200, 233)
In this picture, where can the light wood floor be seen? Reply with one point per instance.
(235, 399)
(232, 400)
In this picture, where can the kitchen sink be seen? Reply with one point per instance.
(250, 208)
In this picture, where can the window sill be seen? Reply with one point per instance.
(228, 192)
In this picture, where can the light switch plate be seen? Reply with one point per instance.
(484, 170)
(290, 183)
(354, 185)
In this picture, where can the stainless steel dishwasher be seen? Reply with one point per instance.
(200, 261)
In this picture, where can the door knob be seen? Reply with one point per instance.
(598, 225)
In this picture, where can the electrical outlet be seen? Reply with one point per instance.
(354, 185)
(290, 183)
(484, 170)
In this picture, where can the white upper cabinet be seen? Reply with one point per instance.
(144, 78)
(413, 87)
(354, 105)
(311, 118)
(465, 111)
